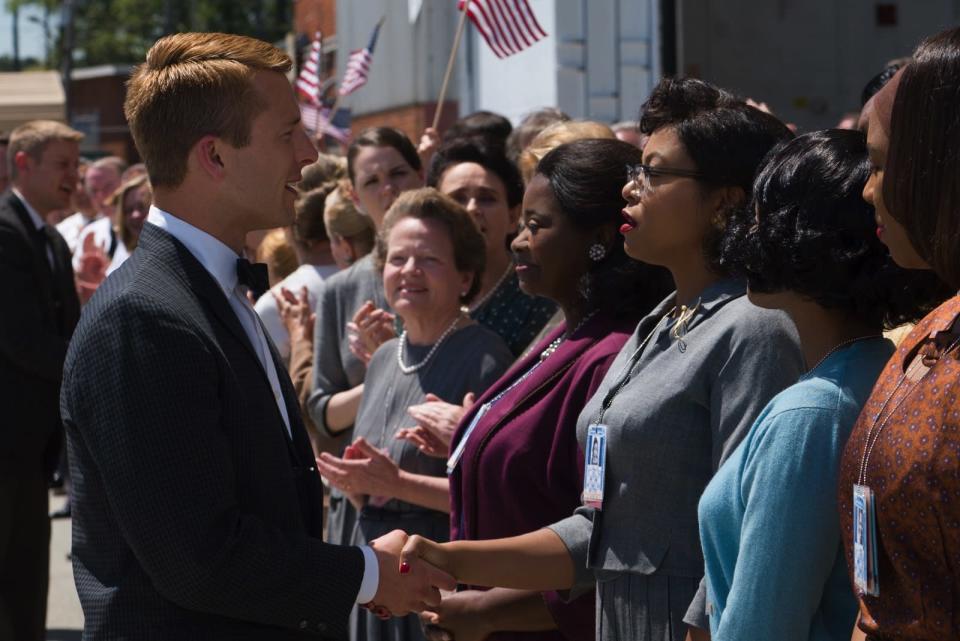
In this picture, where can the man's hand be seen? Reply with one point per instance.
(412, 587)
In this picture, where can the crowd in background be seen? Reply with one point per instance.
(685, 378)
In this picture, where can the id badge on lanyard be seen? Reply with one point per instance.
(865, 541)
(462, 445)
(595, 466)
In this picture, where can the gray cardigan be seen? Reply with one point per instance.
(684, 409)
(335, 367)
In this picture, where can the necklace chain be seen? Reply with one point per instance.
(480, 303)
(874, 436)
(840, 346)
(410, 369)
(555, 344)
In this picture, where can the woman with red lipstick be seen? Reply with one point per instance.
(901, 459)
(677, 399)
(432, 259)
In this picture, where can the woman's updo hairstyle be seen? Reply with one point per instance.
(587, 179)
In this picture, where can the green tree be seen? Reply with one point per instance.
(121, 31)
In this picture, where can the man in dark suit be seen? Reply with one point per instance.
(197, 512)
(40, 310)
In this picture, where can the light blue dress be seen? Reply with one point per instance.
(769, 523)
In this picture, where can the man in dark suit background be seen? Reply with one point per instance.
(40, 311)
(197, 512)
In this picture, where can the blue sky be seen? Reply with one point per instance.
(31, 33)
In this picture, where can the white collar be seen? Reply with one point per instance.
(34, 216)
(216, 258)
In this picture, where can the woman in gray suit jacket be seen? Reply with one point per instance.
(680, 395)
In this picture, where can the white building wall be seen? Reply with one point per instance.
(808, 59)
(409, 59)
(518, 84)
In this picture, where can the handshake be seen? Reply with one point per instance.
(410, 579)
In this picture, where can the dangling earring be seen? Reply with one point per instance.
(597, 252)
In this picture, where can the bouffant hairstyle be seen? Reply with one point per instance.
(426, 203)
(920, 181)
(726, 139)
(490, 128)
(556, 135)
(490, 158)
(193, 85)
(587, 178)
(809, 231)
(382, 137)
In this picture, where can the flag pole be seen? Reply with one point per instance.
(450, 61)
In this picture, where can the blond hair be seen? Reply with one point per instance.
(558, 134)
(193, 85)
(119, 217)
(33, 137)
(277, 252)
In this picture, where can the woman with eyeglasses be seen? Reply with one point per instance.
(677, 399)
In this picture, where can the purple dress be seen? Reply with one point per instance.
(521, 468)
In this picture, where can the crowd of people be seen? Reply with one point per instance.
(691, 378)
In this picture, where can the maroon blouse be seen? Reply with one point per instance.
(914, 472)
(522, 467)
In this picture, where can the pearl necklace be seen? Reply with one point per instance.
(480, 303)
(841, 346)
(555, 344)
(410, 369)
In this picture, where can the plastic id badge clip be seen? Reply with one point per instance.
(865, 541)
(595, 465)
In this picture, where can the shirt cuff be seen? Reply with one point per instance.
(371, 575)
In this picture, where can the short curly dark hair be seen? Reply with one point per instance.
(726, 139)
(426, 203)
(809, 231)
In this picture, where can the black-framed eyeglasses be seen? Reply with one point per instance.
(640, 176)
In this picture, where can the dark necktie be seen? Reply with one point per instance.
(253, 276)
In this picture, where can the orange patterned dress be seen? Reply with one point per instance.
(914, 471)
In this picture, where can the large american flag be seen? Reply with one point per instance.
(308, 82)
(508, 26)
(358, 65)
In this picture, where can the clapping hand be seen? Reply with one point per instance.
(437, 421)
(370, 328)
(92, 269)
(363, 469)
(296, 313)
(405, 587)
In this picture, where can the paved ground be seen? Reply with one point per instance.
(64, 616)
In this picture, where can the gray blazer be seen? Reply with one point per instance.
(690, 398)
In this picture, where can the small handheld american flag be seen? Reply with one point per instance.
(508, 26)
(308, 82)
(358, 65)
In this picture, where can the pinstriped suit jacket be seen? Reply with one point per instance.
(194, 514)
